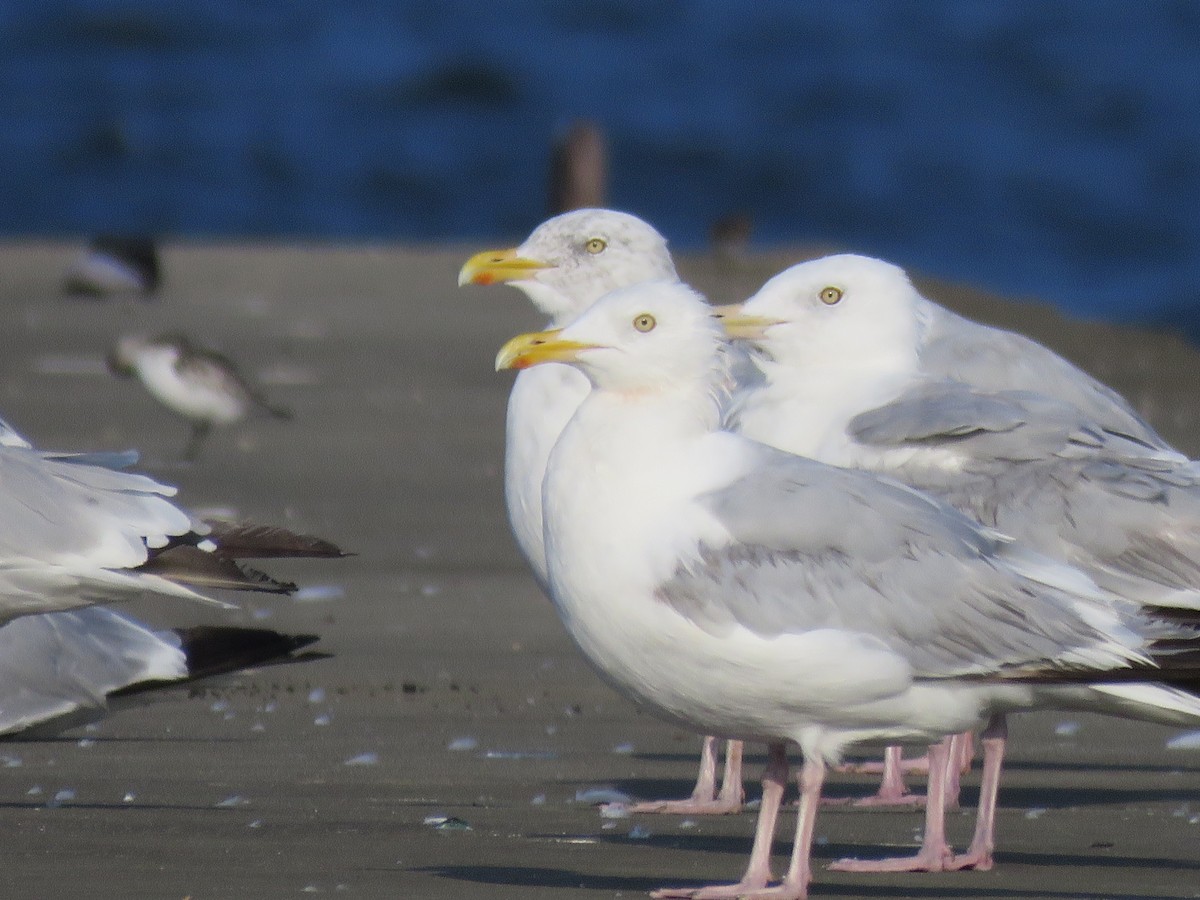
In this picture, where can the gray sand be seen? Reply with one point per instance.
(249, 788)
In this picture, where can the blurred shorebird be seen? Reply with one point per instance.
(113, 265)
(200, 385)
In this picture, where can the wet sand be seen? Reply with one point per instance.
(324, 777)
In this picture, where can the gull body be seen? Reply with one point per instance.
(860, 370)
(992, 422)
(739, 590)
(563, 267)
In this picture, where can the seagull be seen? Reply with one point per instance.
(563, 267)
(198, 384)
(114, 265)
(860, 370)
(61, 670)
(77, 530)
(733, 588)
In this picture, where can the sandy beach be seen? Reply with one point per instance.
(452, 694)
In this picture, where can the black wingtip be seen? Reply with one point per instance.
(248, 540)
(216, 649)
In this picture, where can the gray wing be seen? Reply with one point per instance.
(61, 667)
(73, 534)
(218, 373)
(1038, 469)
(991, 359)
(815, 547)
(1008, 425)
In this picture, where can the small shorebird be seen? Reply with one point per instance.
(198, 384)
(114, 264)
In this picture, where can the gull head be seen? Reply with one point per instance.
(653, 337)
(570, 261)
(842, 309)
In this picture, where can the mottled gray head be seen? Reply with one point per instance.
(570, 261)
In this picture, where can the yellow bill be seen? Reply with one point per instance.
(495, 266)
(526, 350)
(740, 326)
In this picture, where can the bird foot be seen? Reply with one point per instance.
(924, 861)
(889, 798)
(785, 890)
(881, 798)
(689, 807)
(979, 860)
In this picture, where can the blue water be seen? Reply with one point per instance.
(1050, 149)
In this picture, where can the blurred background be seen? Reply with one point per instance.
(1043, 149)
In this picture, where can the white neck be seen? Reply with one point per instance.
(807, 411)
(624, 464)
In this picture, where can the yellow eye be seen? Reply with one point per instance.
(595, 245)
(830, 295)
(645, 322)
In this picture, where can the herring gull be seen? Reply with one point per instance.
(61, 670)
(565, 265)
(77, 531)
(861, 370)
(736, 589)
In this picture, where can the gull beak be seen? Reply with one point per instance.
(741, 327)
(492, 266)
(527, 350)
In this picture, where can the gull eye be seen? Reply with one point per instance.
(595, 245)
(645, 322)
(830, 295)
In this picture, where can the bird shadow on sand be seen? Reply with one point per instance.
(131, 808)
(563, 879)
(1046, 796)
(829, 852)
(754, 763)
(18, 742)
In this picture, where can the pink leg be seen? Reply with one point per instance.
(758, 871)
(799, 874)
(703, 802)
(979, 854)
(892, 790)
(935, 853)
(967, 747)
(732, 794)
(954, 771)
